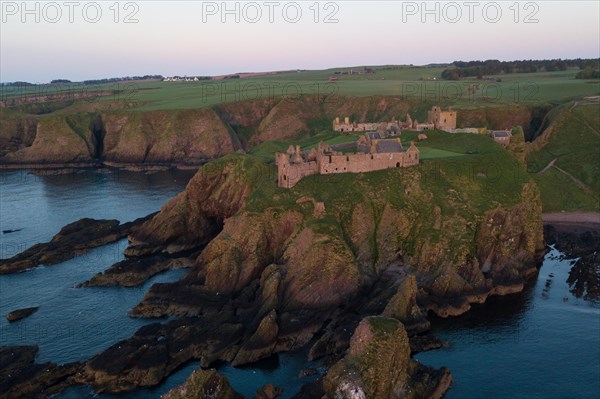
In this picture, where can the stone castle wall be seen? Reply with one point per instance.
(291, 169)
(289, 174)
(359, 163)
(442, 120)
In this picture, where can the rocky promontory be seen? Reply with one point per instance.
(73, 240)
(274, 275)
(21, 378)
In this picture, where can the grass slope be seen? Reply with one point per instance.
(573, 182)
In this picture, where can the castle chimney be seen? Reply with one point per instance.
(297, 156)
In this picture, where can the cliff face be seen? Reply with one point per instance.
(457, 254)
(158, 136)
(51, 140)
(98, 132)
(193, 217)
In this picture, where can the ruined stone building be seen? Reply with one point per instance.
(373, 153)
(441, 120)
(348, 126)
(393, 126)
(501, 137)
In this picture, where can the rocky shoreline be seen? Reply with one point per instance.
(72, 240)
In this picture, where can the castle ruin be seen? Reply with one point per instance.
(394, 126)
(348, 126)
(441, 120)
(373, 154)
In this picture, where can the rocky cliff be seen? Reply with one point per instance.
(279, 269)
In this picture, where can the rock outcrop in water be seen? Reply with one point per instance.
(203, 384)
(21, 378)
(378, 365)
(135, 271)
(582, 243)
(21, 313)
(73, 240)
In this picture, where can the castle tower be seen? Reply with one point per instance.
(347, 120)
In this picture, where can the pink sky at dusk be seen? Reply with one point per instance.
(190, 38)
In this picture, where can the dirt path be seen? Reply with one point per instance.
(573, 106)
(579, 183)
(572, 217)
(550, 164)
(597, 133)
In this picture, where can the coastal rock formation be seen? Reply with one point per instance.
(378, 365)
(16, 134)
(271, 275)
(21, 378)
(21, 313)
(188, 136)
(136, 271)
(580, 242)
(203, 384)
(268, 391)
(156, 350)
(54, 142)
(403, 306)
(72, 240)
(193, 217)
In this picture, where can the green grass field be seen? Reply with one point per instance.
(414, 83)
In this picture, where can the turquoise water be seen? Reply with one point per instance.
(529, 345)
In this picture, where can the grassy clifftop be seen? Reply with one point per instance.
(565, 159)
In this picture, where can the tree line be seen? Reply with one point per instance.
(462, 69)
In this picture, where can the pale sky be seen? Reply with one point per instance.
(200, 38)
